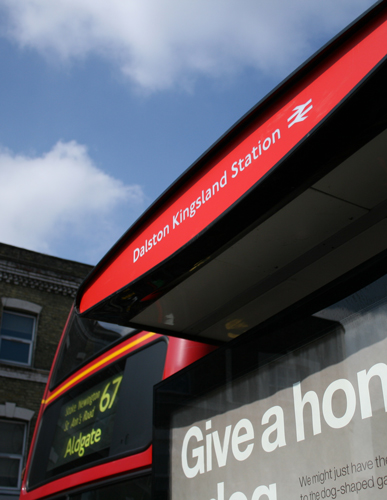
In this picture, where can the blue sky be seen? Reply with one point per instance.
(104, 103)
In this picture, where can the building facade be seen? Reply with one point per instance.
(36, 294)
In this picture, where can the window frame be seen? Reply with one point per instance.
(18, 340)
(21, 308)
(20, 457)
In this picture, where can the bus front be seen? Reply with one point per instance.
(93, 435)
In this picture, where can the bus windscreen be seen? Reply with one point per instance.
(107, 416)
(83, 339)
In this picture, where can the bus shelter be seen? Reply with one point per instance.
(273, 245)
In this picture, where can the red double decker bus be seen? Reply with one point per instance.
(94, 430)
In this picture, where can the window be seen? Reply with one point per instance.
(16, 337)
(12, 443)
(124, 423)
(17, 330)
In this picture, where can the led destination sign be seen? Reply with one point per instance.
(85, 424)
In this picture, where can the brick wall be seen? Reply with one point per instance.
(51, 283)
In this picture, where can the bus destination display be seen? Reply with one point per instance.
(86, 423)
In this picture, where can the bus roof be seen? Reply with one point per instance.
(272, 200)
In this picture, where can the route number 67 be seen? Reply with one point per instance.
(108, 397)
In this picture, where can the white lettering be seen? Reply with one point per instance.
(220, 490)
(278, 426)
(209, 446)
(194, 432)
(266, 144)
(238, 495)
(299, 403)
(345, 386)
(223, 180)
(270, 491)
(380, 369)
(238, 439)
(221, 452)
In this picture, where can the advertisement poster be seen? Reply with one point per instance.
(309, 426)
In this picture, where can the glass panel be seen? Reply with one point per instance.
(14, 351)
(297, 411)
(17, 325)
(11, 437)
(9, 472)
(84, 338)
(106, 416)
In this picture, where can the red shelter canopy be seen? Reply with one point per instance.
(289, 199)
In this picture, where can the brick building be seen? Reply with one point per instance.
(36, 293)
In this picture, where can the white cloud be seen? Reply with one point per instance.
(161, 44)
(61, 196)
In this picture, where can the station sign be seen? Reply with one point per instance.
(236, 165)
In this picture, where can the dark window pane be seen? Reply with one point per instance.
(9, 472)
(11, 437)
(14, 351)
(84, 338)
(17, 325)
